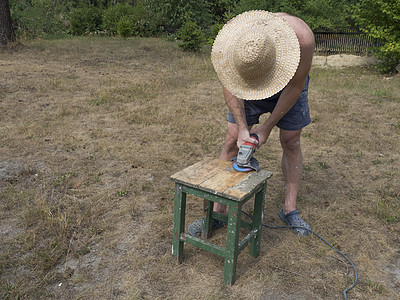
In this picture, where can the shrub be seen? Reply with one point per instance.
(317, 14)
(39, 20)
(215, 28)
(246, 5)
(86, 20)
(191, 36)
(380, 19)
(125, 28)
(141, 24)
(114, 14)
(170, 15)
(219, 8)
(320, 14)
(214, 32)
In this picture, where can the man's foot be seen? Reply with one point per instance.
(295, 222)
(196, 227)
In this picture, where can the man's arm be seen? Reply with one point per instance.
(285, 102)
(236, 106)
(292, 91)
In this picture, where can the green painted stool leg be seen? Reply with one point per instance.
(257, 221)
(179, 222)
(206, 230)
(232, 243)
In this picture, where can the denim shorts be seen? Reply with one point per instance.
(296, 118)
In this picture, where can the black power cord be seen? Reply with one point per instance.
(326, 242)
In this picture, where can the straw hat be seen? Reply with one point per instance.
(255, 55)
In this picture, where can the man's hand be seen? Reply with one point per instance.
(263, 133)
(243, 137)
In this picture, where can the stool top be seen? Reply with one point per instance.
(218, 177)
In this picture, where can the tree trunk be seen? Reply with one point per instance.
(6, 30)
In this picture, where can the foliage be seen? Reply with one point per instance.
(246, 5)
(317, 14)
(137, 15)
(113, 14)
(215, 28)
(125, 28)
(86, 20)
(320, 14)
(156, 17)
(170, 15)
(191, 36)
(218, 8)
(380, 19)
(141, 18)
(37, 19)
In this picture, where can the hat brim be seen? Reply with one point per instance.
(287, 55)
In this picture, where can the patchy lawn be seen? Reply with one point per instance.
(90, 131)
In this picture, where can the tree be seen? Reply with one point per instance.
(380, 19)
(170, 15)
(318, 14)
(6, 30)
(191, 36)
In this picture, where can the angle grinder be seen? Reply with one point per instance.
(244, 161)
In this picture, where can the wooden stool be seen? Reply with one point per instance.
(216, 181)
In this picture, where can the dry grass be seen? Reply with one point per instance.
(91, 130)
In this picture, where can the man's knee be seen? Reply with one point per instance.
(290, 140)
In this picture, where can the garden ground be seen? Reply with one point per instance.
(91, 130)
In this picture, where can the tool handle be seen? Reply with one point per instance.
(255, 136)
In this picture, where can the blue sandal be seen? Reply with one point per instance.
(295, 222)
(196, 227)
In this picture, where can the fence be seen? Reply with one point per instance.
(343, 41)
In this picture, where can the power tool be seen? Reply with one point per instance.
(244, 161)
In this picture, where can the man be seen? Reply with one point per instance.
(265, 58)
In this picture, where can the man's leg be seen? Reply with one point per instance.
(291, 166)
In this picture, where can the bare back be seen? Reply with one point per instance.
(306, 41)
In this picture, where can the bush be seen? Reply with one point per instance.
(214, 32)
(215, 28)
(114, 14)
(136, 14)
(39, 20)
(141, 24)
(125, 28)
(246, 5)
(170, 15)
(219, 8)
(380, 19)
(191, 36)
(318, 14)
(86, 20)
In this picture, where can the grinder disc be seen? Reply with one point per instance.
(240, 169)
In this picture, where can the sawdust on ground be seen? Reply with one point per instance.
(343, 60)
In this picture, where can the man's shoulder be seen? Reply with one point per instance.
(302, 30)
(293, 21)
(306, 40)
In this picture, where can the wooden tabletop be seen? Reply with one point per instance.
(218, 177)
